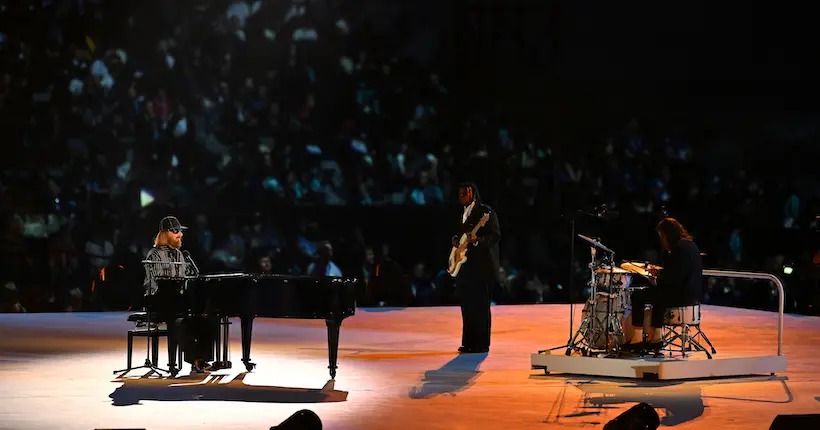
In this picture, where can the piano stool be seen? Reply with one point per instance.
(140, 319)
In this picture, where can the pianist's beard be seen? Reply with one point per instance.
(166, 238)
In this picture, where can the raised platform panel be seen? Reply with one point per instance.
(658, 368)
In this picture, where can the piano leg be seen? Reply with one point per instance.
(246, 324)
(216, 348)
(223, 339)
(226, 340)
(332, 345)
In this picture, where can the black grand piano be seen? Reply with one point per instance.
(248, 296)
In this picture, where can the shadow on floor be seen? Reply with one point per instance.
(386, 309)
(682, 401)
(135, 390)
(457, 375)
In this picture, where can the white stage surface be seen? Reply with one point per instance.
(398, 369)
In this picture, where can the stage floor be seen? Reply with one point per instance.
(397, 370)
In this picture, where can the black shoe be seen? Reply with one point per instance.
(634, 348)
(653, 349)
(464, 350)
(654, 346)
(200, 366)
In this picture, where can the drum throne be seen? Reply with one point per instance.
(682, 332)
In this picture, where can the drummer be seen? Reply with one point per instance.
(679, 283)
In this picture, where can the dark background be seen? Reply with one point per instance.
(708, 111)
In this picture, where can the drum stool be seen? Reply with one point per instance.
(681, 328)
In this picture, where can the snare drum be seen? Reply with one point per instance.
(620, 278)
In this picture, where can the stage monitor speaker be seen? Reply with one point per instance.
(796, 422)
(641, 416)
(301, 420)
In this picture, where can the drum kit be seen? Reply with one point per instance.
(605, 319)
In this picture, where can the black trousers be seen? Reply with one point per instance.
(652, 295)
(197, 338)
(476, 320)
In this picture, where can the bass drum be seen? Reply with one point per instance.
(594, 317)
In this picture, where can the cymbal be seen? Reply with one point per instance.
(613, 270)
(640, 268)
(642, 265)
(596, 244)
(636, 269)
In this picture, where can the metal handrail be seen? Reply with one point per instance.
(763, 276)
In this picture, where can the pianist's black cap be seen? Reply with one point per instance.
(171, 223)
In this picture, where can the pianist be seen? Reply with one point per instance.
(166, 260)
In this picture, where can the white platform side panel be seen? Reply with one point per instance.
(664, 368)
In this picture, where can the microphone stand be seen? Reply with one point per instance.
(571, 284)
(571, 287)
(598, 213)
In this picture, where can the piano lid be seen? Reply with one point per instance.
(263, 277)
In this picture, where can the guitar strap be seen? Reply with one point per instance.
(472, 220)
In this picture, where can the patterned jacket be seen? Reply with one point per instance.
(161, 255)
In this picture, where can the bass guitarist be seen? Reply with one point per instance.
(476, 277)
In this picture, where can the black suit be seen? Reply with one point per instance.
(477, 277)
(680, 283)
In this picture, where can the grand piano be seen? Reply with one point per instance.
(248, 296)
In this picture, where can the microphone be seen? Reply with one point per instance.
(188, 258)
(609, 215)
(604, 213)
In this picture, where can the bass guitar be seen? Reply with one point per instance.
(458, 255)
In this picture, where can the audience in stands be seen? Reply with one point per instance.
(215, 109)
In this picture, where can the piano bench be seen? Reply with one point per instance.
(141, 318)
(154, 333)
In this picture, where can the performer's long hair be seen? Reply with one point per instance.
(671, 232)
(166, 238)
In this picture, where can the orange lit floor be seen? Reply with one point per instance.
(397, 370)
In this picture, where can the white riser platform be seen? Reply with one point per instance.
(658, 368)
